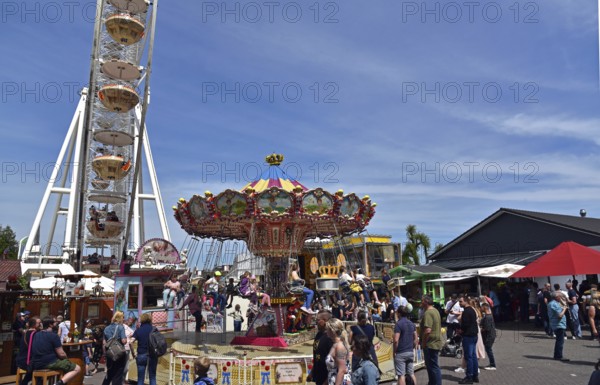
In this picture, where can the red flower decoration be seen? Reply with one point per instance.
(267, 368)
(183, 362)
(310, 366)
(262, 363)
(228, 363)
(224, 368)
(187, 367)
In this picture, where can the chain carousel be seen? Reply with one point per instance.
(274, 216)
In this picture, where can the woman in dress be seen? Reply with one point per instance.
(337, 359)
(366, 371)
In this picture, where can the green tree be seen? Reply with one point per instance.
(9, 247)
(416, 244)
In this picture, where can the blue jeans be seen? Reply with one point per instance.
(576, 328)
(237, 326)
(309, 297)
(433, 367)
(560, 342)
(489, 352)
(219, 299)
(470, 351)
(144, 361)
(168, 297)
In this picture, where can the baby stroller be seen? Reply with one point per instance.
(453, 347)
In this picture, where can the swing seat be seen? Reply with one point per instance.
(295, 288)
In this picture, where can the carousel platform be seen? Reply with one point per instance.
(245, 364)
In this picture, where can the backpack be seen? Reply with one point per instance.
(157, 345)
(114, 349)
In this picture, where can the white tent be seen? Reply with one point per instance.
(500, 271)
(48, 283)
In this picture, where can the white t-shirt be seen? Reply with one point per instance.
(345, 277)
(64, 329)
(212, 285)
(453, 318)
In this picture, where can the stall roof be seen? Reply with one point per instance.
(500, 271)
(416, 270)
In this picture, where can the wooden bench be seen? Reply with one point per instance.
(7, 379)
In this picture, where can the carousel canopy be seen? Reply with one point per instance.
(274, 215)
(274, 176)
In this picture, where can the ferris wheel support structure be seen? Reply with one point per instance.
(106, 140)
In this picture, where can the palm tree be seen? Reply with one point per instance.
(416, 243)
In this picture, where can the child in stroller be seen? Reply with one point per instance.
(453, 347)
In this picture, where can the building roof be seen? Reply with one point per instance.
(576, 224)
(495, 260)
(8, 268)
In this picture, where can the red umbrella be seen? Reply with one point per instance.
(568, 258)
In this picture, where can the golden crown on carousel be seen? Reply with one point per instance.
(274, 159)
(329, 271)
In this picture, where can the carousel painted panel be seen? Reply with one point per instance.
(317, 202)
(274, 201)
(231, 204)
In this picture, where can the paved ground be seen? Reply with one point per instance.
(523, 356)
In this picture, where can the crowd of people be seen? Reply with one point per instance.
(40, 346)
(340, 355)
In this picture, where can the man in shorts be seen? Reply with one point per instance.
(405, 341)
(47, 353)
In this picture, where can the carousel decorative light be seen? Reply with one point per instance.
(274, 214)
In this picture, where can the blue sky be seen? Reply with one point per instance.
(442, 116)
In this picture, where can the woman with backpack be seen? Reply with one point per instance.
(115, 368)
(368, 330)
(144, 359)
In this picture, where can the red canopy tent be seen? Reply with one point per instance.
(568, 258)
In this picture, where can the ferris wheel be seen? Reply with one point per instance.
(108, 139)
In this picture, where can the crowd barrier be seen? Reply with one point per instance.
(255, 371)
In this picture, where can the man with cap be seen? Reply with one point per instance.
(211, 286)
